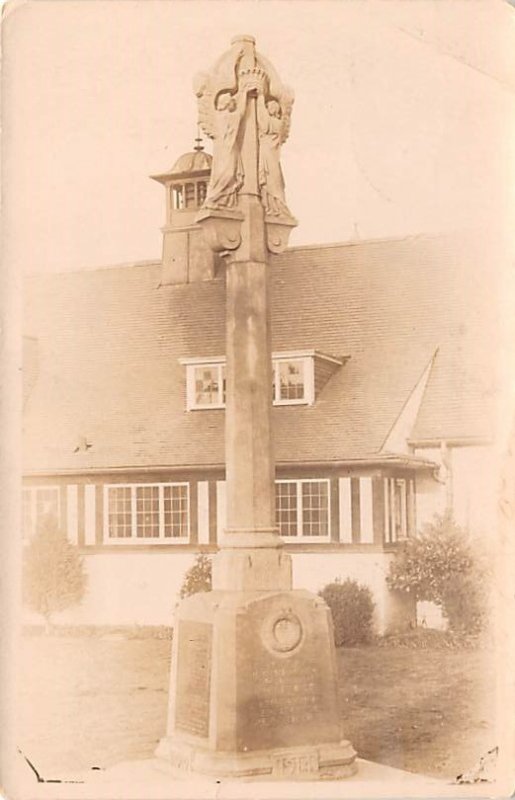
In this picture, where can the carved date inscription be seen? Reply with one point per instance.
(193, 677)
(302, 764)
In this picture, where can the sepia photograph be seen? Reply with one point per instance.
(257, 404)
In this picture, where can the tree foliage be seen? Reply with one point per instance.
(444, 566)
(53, 571)
(198, 577)
(352, 609)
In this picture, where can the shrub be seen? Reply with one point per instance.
(352, 609)
(198, 577)
(443, 565)
(53, 571)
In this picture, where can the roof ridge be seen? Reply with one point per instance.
(154, 262)
(375, 240)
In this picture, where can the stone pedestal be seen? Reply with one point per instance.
(254, 688)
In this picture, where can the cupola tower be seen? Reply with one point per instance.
(186, 256)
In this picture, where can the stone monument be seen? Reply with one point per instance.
(253, 688)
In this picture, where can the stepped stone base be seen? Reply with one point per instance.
(326, 762)
(254, 688)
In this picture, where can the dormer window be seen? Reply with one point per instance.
(297, 377)
(206, 386)
(291, 381)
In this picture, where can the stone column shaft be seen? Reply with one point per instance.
(249, 446)
(251, 558)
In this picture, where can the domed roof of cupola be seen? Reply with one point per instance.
(195, 161)
(188, 165)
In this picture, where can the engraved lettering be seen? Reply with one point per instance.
(295, 764)
(193, 678)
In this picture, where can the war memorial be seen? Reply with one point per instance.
(256, 686)
(253, 682)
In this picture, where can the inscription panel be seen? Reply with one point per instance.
(193, 677)
(288, 692)
(286, 697)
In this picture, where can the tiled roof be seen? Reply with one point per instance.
(110, 340)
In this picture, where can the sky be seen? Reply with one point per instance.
(403, 120)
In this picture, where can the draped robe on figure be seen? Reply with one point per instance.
(227, 170)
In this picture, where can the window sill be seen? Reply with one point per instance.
(306, 539)
(206, 408)
(275, 404)
(141, 541)
(303, 402)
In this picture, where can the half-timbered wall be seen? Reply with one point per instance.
(185, 513)
(136, 580)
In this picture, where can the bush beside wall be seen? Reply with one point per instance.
(443, 565)
(352, 609)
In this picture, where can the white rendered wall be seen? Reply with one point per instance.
(431, 494)
(475, 489)
(143, 588)
(475, 476)
(430, 615)
(130, 589)
(313, 571)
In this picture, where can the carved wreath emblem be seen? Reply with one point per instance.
(282, 632)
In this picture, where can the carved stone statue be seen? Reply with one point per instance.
(240, 76)
(273, 127)
(227, 167)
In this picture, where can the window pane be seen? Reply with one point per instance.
(147, 511)
(291, 377)
(400, 516)
(47, 504)
(315, 508)
(175, 511)
(207, 386)
(224, 383)
(286, 508)
(190, 195)
(119, 512)
(178, 197)
(201, 192)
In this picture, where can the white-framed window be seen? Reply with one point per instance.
(292, 379)
(140, 513)
(396, 509)
(206, 385)
(39, 502)
(291, 384)
(303, 509)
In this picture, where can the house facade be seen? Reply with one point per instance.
(382, 387)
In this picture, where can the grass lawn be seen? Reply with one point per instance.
(427, 711)
(94, 702)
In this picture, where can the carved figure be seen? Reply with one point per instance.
(227, 168)
(221, 120)
(222, 100)
(273, 127)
